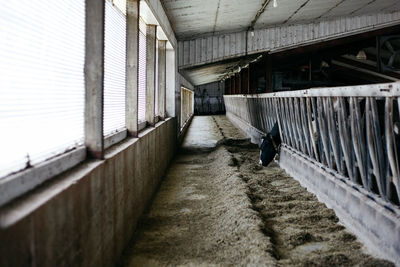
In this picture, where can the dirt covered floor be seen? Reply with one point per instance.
(218, 207)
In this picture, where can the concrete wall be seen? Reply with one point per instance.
(86, 216)
(208, 98)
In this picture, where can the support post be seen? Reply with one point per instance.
(132, 63)
(227, 81)
(150, 72)
(242, 76)
(237, 83)
(248, 81)
(268, 74)
(252, 79)
(162, 44)
(245, 81)
(233, 87)
(94, 77)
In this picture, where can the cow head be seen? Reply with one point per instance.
(269, 146)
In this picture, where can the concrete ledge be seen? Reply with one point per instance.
(254, 134)
(87, 215)
(375, 222)
(184, 130)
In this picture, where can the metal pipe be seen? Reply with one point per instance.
(344, 138)
(258, 14)
(357, 139)
(391, 145)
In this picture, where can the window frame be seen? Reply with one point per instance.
(111, 137)
(142, 30)
(20, 182)
(185, 92)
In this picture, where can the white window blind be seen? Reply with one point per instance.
(156, 86)
(186, 105)
(142, 76)
(42, 45)
(114, 67)
(120, 4)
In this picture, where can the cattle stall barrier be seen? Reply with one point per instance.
(341, 143)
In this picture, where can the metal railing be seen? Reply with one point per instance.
(354, 130)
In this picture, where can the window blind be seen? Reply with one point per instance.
(42, 46)
(156, 85)
(142, 77)
(114, 68)
(186, 105)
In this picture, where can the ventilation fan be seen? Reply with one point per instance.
(389, 53)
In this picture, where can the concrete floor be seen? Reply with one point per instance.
(202, 134)
(218, 207)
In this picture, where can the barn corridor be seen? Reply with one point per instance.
(131, 133)
(217, 206)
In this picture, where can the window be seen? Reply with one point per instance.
(156, 85)
(42, 88)
(42, 46)
(142, 73)
(186, 105)
(114, 67)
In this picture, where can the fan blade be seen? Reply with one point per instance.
(391, 60)
(389, 46)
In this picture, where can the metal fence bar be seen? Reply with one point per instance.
(317, 129)
(282, 120)
(304, 126)
(379, 152)
(299, 129)
(332, 132)
(358, 140)
(351, 130)
(391, 144)
(312, 129)
(324, 132)
(344, 137)
(289, 123)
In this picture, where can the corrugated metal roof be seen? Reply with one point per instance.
(204, 59)
(194, 18)
(226, 46)
(214, 31)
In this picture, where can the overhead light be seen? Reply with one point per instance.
(324, 64)
(275, 4)
(361, 55)
(251, 30)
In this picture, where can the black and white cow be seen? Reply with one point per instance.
(269, 146)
